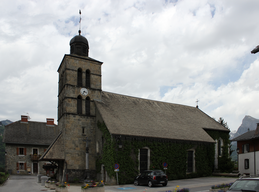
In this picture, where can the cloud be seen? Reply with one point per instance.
(173, 51)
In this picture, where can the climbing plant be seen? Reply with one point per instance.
(173, 153)
(224, 161)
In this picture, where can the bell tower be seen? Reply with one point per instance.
(79, 85)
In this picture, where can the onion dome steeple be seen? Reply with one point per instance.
(79, 45)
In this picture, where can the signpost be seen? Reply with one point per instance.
(116, 169)
(165, 166)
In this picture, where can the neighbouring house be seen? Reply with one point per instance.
(248, 152)
(25, 142)
(100, 129)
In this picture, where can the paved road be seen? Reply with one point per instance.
(19, 183)
(195, 185)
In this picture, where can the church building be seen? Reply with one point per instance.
(99, 129)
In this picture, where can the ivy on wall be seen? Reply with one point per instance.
(173, 153)
(224, 161)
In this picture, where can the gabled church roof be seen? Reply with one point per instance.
(125, 115)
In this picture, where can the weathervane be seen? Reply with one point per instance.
(79, 31)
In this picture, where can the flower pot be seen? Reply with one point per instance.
(47, 185)
(61, 189)
(94, 189)
(52, 186)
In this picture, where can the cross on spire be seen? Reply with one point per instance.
(79, 31)
(197, 103)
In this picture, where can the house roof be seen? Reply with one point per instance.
(247, 136)
(55, 151)
(30, 133)
(125, 115)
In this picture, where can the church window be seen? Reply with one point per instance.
(87, 106)
(144, 159)
(79, 105)
(87, 79)
(190, 163)
(220, 144)
(79, 77)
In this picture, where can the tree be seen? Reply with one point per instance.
(223, 122)
(225, 163)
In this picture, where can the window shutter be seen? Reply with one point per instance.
(24, 151)
(17, 166)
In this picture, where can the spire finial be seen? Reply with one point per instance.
(79, 31)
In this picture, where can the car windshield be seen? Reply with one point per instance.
(245, 185)
(158, 172)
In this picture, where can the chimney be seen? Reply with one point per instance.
(50, 121)
(24, 119)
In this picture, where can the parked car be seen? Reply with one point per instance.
(151, 177)
(245, 184)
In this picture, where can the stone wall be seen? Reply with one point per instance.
(13, 159)
(79, 175)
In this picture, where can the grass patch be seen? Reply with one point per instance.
(3, 177)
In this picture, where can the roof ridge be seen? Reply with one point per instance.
(134, 97)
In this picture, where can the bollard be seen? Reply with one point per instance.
(43, 180)
(39, 178)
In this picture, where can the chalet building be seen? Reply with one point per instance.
(248, 152)
(99, 129)
(25, 142)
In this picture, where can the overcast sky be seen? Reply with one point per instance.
(172, 51)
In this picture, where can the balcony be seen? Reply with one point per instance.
(35, 157)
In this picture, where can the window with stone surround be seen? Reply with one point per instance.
(21, 151)
(21, 165)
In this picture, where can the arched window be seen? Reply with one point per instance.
(144, 159)
(87, 106)
(79, 105)
(87, 78)
(79, 77)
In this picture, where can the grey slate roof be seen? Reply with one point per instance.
(247, 136)
(55, 151)
(125, 115)
(31, 133)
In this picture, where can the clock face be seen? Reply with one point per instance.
(84, 91)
